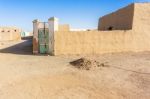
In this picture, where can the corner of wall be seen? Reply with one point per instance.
(133, 20)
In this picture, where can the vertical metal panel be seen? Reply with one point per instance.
(43, 36)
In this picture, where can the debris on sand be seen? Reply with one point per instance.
(87, 64)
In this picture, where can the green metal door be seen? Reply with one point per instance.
(43, 36)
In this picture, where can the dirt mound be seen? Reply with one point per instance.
(86, 64)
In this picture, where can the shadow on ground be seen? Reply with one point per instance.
(23, 48)
(27, 38)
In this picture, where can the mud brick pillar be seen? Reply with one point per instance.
(35, 36)
(53, 26)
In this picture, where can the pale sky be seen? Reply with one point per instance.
(78, 13)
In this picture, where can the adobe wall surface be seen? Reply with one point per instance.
(141, 25)
(64, 27)
(94, 42)
(119, 20)
(142, 17)
(9, 34)
(99, 42)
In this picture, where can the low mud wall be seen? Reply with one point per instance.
(93, 42)
(100, 42)
(9, 34)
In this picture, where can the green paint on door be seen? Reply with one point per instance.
(43, 36)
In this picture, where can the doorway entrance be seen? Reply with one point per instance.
(43, 37)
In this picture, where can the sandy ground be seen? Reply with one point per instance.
(27, 76)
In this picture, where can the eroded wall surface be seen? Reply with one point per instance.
(64, 27)
(9, 34)
(119, 20)
(141, 25)
(94, 42)
(142, 17)
(98, 42)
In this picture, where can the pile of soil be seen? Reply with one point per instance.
(86, 64)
